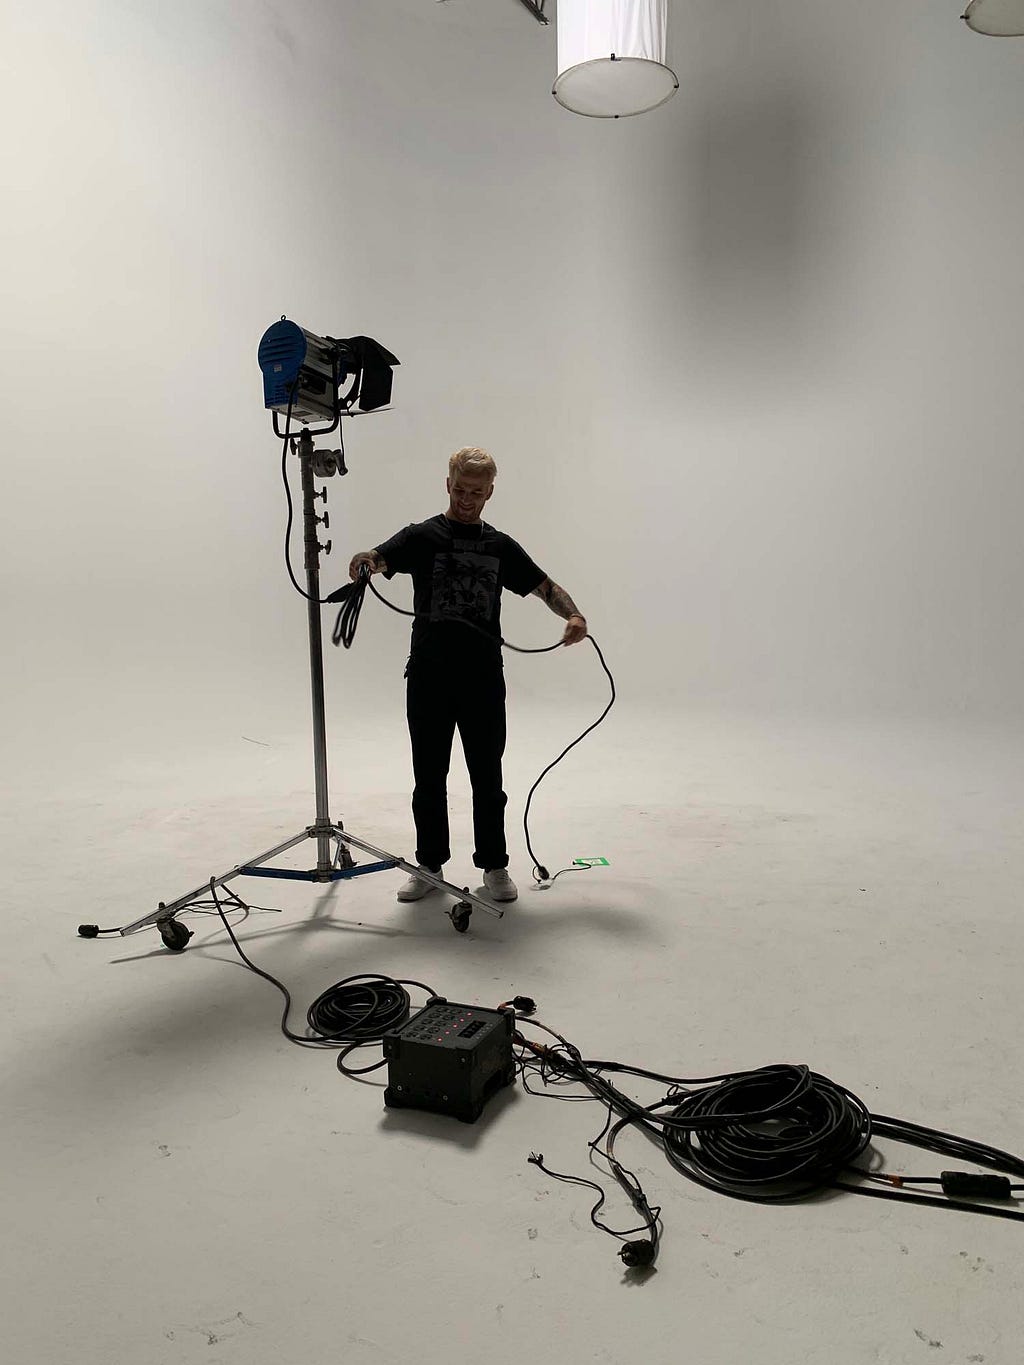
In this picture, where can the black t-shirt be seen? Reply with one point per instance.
(458, 573)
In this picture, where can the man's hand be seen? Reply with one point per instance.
(370, 558)
(575, 630)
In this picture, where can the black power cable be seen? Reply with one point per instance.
(209, 907)
(641, 1253)
(771, 1135)
(291, 510)
(352, 1013)
(540, 873)
(351, 598)
(777, 1134)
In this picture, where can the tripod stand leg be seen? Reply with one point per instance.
(166, 912)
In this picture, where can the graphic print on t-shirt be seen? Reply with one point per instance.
(465, 587)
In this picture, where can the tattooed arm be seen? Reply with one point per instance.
(562, 605)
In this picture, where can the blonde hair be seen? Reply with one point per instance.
(472, 460)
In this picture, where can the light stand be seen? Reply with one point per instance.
(334, 861)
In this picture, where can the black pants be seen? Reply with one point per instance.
(441, 697)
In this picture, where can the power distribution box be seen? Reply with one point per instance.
(449, 1059)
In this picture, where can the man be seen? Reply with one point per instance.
(455, 675)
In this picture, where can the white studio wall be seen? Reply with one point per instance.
(747, 363)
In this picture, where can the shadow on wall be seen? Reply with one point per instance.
(747, 282)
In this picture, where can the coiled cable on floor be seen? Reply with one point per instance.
(359, 1010)
(773, 1134)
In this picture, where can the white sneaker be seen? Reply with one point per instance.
(416, 888)
(500, 885)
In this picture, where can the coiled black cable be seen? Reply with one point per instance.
(779, 1133)
(360, 1010)
(774, 1134)
(351, 597)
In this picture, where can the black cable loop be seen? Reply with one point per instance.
(352, 1013)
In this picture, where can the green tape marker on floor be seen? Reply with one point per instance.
(591, 862)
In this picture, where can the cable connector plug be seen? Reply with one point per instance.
(523, 1004)
(89, 930)
(637, 1253)
(965, 1185)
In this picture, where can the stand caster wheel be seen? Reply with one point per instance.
(459, 915)
(174, 935)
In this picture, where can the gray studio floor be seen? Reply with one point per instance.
(185, 1185)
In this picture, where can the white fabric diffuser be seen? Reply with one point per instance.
(998, 18)
(611, 57)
